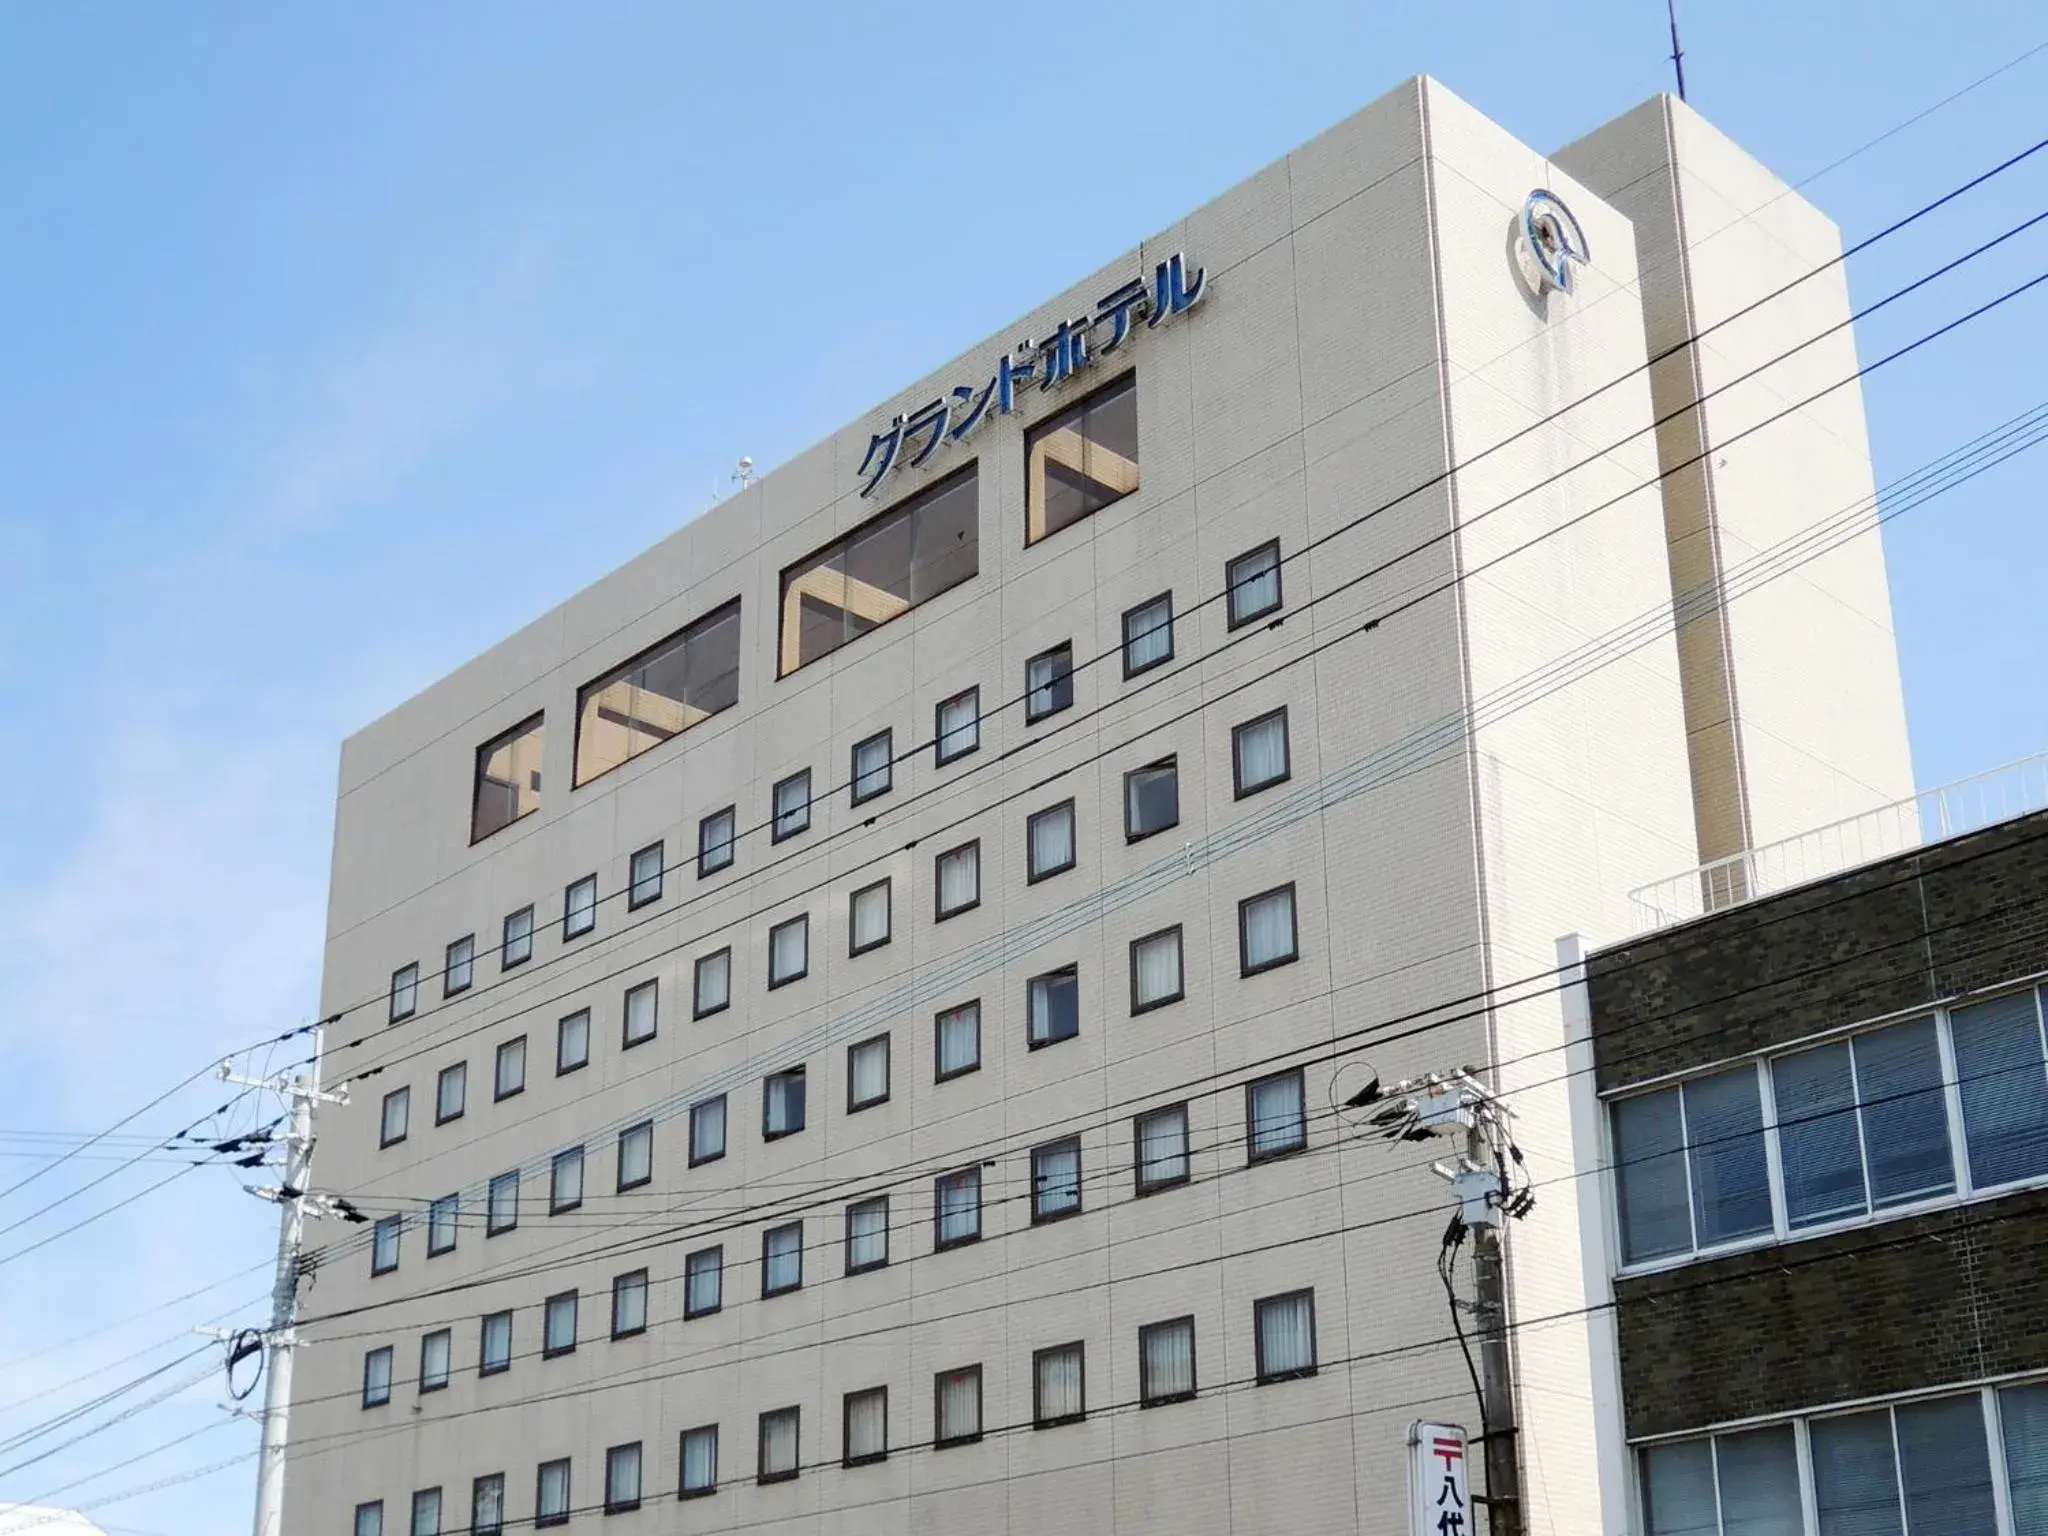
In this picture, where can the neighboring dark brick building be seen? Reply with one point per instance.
(1827, 1123)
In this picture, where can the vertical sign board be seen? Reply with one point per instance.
(1439, 1488)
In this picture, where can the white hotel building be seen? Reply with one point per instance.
(842, 1017)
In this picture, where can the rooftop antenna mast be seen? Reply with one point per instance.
(1677, 52)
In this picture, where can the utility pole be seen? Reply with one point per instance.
(1489, 1265)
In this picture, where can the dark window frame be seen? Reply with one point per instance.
(477, 1526)
(795, 976)
(1180, 990)
(499, 1092)
(867, 1458)
(556, 1351)
(562, 1068)
(940, 912)
(724, 1129)
(1239, 790)
(762, 1476)
(776, 832)
(1032, 874)
(1124, 650)
(569, 909)
(1075, 410)
(940, 1242)
(533, 722)
(627, 1040)
(389, 1353)
(887, 737)
(619, 1281)
(697, 627)
(939, 1074)
(376, 1504)
(625, 1506)
(448, 989)
(847, 1264)
(697, 1008)
(484, 1365)
(1236, 620)
(395, 1225)
(730, 846)
(442, 1115)
(646, 890)
(1032, 713)
(492, 1226)
(454, 1203)
(691, 1311)
(401, 1095)
(540, 1477)
(769, 1291)
(1170, 761)
(505, 963)
(1244, 965)
(855, 1106)
(1031, 1040)
(942, 1442)
(1265, 1377)
(447, 1375)
(1038, 1415)
(803, 1121)
(940, 756)
(1252, 1153)
(886, 886)
(556, 1205)
(646, 1178)
(683, 1489)
(394, 1014)
(1040, 1218)
(1142, 1187)
(1150, 1399)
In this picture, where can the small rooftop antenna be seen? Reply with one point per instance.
(1677, 52)
(744, 472)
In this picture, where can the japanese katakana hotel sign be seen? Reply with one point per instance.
(914, 436)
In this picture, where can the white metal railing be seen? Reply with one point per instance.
(1927, 817)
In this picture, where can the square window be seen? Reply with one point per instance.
(426, 1512)
(957, 1413)
(782, 1258)
(495, 1352)
(703, 1282)
(1049, 683)
(1156, 978)
(716, 835)
(957, 1208)
(558, 1334)
(1056, 1180)
(458, 966)
(1162, 1148)
(636, 1155)
(699, 1456)
(451, 1093)
(1258, 753)
(436, 1352)
(1049, 842)
(579, 907)
(956, 726)
(1148, 635)
(1265, 930)
(1058, 1394)
(957, 1037)
(873, 766)
(565, 1182)
(1286, 1336)
(517, 946)
(867, 1074)
(778, 1450)
(1253, 582)
(396, 1118)
(707, 1131)
(629, 1304)
(957, 881)
(487, 1505)
(405, 991)
(502, 1204)
(789, 951)
(867, 1234)
(644, 878)
(711, 986)
(377, 1377)
(1275, 1119)
(370, 1518)
(551, 1498)
(642, 1013)
(444, 1220)
(510, 1074)
(1151, 799)
(866, 1428)
(507, 778)
(782, 1104)
(792, 806)
(1055, 1001)
(622, 1478)
(1081, 460)
(868, 918)
(1166, 1362)
(384, 1245)
(572, 1042)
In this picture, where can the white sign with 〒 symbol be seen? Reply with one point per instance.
(1439, 1489)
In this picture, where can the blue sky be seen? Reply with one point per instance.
(337, 342)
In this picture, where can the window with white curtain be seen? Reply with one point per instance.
(405, 991)
(1166, 1362)
(867, 1234)
(866, 1426)
(451, 1093)
(1048, 683)
(867, 918)
(629, 1304)
(1276, 1121)
(1265, 930)
(572, 1042)
(437, 1350)
(579, 907)
(1049, 841)
(1055, 1006)
(1285, 1329)
(622, 1478)
(707, 1130)
(716, 835)
(957, 1412)
(704, 1282)
(644, 876)
(516, 945)
(957, 1208)
(957, 1039)
(565, 1181)
(501, 1207)
(1151, 799)
(1253, 581)
(778, 1455)
(384, 1244)
(426, 1512)
(699, 1457)
(792, 806)
(873, 761)
(1056, 1386)
(551, 1497)
(782, 1104)
(494, 1352)
(487, 1505)
(1056, 1179)
(458, 967)
(782, 1258)
(1148, 635)
(510, 1074)
(636, 1155)
(711, 985)
(957, 880)
(558, 1325)
(956, 727)
(444, 1216)
(789, 951)
(397, 1117)
(1156, 970)
(370, 1518)
(1258, 753)
(377, 1377)
(1162, 1148)
(867, 1073)
(642, 1012)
